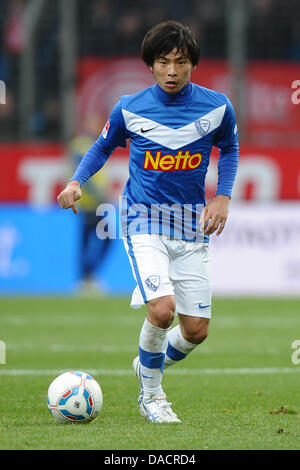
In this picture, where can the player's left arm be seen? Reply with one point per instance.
(215, 213)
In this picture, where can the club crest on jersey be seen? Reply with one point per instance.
(105, 130)
(153, 282)
(202, 126)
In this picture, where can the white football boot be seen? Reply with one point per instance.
(156, 408)
(137, 369)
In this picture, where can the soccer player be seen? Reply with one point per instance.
(172, 127)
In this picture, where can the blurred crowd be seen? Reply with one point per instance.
(116, 27)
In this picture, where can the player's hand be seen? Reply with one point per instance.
(214, 215)
(68, 197)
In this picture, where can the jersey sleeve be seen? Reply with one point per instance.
(226, 139)
(114, 135)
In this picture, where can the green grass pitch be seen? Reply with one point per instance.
(238, 390)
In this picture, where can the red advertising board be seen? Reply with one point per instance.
(271, 115)
(36, 173)
(264, 174)
(28, 168)
(268, 170)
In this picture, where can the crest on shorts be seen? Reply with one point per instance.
(202, 126)
(153, 282)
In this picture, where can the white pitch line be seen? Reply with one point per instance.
(128, 372)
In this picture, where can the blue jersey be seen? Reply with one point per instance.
(171, 138)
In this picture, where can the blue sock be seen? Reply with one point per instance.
(152, 356)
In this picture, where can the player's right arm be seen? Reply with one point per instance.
(68, 197)
(113, 135)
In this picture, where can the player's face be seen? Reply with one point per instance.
(172, 71)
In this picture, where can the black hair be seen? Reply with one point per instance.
(161, 39)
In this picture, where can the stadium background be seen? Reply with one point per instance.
(64, 64)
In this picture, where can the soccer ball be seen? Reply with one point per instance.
(74, 396)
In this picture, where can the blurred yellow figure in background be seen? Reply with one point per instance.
(94, 192)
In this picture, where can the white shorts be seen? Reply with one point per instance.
(163, 266)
